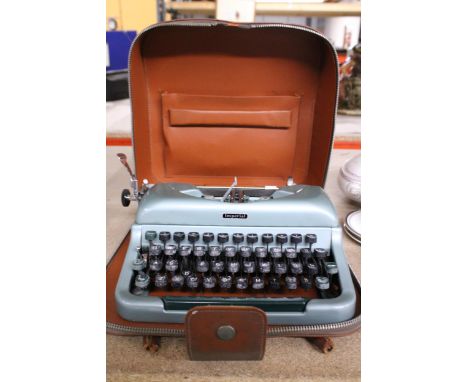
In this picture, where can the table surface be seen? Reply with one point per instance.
(292, 359)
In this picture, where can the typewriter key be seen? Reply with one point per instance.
(296, 238)
(306, 253)
(291, 282)
(281, 268)
(281, 238)
(155, 264)
(331, 268)
(199, 251)
(171, 265)
(320, 253)
(186, 272)
(252, 238)
(185, 250)
(267, 238)
(193, 237)
(202, 266)
(264, 266)
(217, 266)
(238, 238)
(142, 280)
(245, 251)
(139, 264)
(233, 266)
(192, 281)
(260, 252)
(275, 252)
(296, 267)
(290, 253)
(257, 282)
(215, 251)
(312, 268)
(177, 281)
(274, 282)
(160, 280)
(249, 266)
(179, 236)
(230, 251)
(322, 282)
(209, 282)
(164, 236)
(225, 281)
(242, 282)
(155, 249)
(223, 238)
(150, 235)
(170, 250)
(208, 237)
(310, 238)
(306, 282)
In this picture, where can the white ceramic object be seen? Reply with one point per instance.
(349, 178)
(352, 225)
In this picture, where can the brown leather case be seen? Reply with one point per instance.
(225, 333)
(212, 100)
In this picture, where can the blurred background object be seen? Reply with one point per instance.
(350, 83)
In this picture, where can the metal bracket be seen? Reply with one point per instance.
(135, 194)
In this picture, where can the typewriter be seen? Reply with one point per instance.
(275, 248)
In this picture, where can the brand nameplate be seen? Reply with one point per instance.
(235, 216)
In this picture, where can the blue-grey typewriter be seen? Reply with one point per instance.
(275, 248)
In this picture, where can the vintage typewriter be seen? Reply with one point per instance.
(278, 249)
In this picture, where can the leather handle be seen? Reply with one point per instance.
(225, 333)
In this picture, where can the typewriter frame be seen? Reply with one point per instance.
(284, 82)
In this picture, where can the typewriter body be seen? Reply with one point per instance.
(232, 134)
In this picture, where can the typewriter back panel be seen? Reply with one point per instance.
(211, 101)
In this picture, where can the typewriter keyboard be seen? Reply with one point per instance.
(237, 264)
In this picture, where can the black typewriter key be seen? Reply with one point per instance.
(230, 251)
(322, 283)
(310, 238)
(214, 251)
(177, 281)
(208, 237)
(203, 266)
(296, 267)
(233, 266)
(151, 235)
(274, 282)
(185, 250)
(296, 238)
(139, 264)
(281, 268)
(193, 237)
(264, 266)
(155, 249)
(164, 236)
(252, 238)
(170, 250)
(306, 282)
(245, 251)
(209, 282)
(179, 237)
(291, 282)
(199, 251)
(275, 252)
(172, 264)
(155, 264)
(223, 238)
(142, 280)
(260, 252)
(281, 238)
(312, 268)
(258, 283)
(186, 272)
(217, 266)
(248, 266)
(192, 281)
(267, 238)
(305, 253)
(238, 238)
(320, 253)
(290, 253)
(242, 283)
(160, 280)
(225, 281)
(331, 268)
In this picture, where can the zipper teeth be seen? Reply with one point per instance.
(273, 25)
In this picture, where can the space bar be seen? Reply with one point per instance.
(280, 304)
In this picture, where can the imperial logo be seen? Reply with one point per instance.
(235, 216)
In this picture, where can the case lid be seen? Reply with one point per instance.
(212, 100)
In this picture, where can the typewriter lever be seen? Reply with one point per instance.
(135, 194)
